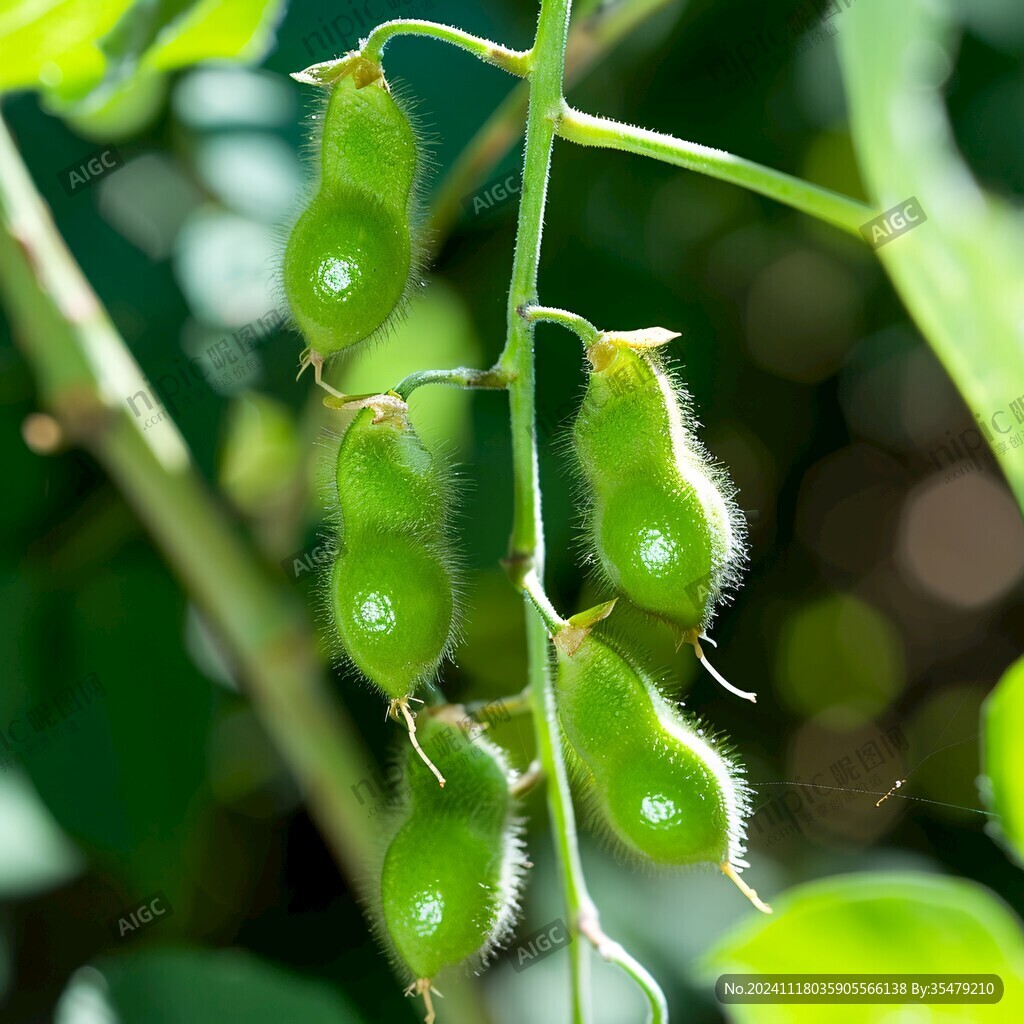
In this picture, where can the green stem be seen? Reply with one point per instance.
(516, 62)
(603, 132)
(580, 326)
(526, 547)
(534, 593)
(460, 377)
(590, 40)
(516, 704)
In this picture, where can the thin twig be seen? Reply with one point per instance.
(603, 132)
(516, 62)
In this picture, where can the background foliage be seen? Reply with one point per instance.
(883, 597)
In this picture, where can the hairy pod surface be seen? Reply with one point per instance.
(663, 523)
(386, 475)
(452, 873)
(656, 782)
(350, 255)
(393, 583)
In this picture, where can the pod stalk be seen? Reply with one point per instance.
(423, 987)
(311, 358)
(730, 872)
(691, 637)
(402, 705)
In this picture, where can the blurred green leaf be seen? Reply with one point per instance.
(34, 854)
(240, 29)
(67, 48)
(260, 452)
(1002, 784)
(120, 113)
(204, 987)
(123, 774)
(126, 44)
(55, 44)
(889, 923)
(959, 272)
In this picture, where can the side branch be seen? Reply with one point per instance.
(840, 210)
(516, 62)
(591, 38)
(460, 377)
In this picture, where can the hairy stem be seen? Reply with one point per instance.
(461, 377)
(516, 62)
(526, 548)
(590, 40)
(587, 130)
(580, 326)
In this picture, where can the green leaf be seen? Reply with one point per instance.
(1002, 784)
(959, 273)
(182, 986)
(878, 924)
(240, 29)
(54, 44)
(260, 453)
(126, 44)
(69, 49)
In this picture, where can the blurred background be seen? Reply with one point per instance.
(881, 602)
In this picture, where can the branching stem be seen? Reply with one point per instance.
(580, 326)
(837, 209)
(526, 549)
(461, 377)
(516, 62)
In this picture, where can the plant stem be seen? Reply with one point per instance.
(516, 704)
(590, 40)
(516, 62)
(534, 593)
(85, 374)
(580, 326)
(526, 547)
(587, 130)
(461, 377)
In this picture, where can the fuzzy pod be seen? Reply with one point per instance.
(352, 253)
(392, 589)
(393, 602)
(451, 876)
(656, 782)
(663, 523)
(386, 477)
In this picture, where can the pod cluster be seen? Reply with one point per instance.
(451, 875)
(392, 587)
(353, 250)
(667, 536)
(662, 527)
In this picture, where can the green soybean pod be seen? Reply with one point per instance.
(392, 591)
(662, 522)
(451, 876)
(393, 602)
(351, 256)
(654, 779)
(386, 477)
